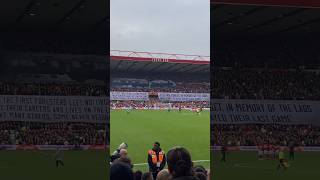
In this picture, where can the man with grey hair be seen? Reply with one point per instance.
(123, 153)
(116, 154)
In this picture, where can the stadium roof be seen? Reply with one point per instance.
(65, 26)
(53, 15)
(132, 61)
(241, 21)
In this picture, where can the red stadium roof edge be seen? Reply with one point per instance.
(158, 57)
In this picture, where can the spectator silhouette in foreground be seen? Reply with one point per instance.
(180, 164)
(201, 172)
(164, 175)
(121, 171)
(201, 175)
(137, 175)
(147, 176)
(124, 160)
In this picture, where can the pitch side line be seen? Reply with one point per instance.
(142, 164)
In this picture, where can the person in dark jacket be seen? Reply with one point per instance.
(121, 171)
(156, 159)
(125, 160)
(137, 175)
(147, 176)
(180, 164)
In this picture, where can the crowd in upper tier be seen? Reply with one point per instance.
(82, 89)
(147, 85)
(265, 84)
(59, 133)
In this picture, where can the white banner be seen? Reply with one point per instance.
(53, 108)
(143, 96)
(224, 111)
(184, 96)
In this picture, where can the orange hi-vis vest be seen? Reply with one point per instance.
(153, 154)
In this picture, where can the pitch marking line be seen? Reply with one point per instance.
(142, 164)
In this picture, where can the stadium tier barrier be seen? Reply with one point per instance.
(256, 148)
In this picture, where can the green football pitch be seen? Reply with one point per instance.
(245, 165)
(141, 128)
(39, 165)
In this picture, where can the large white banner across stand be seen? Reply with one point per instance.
(184, 96)
(140, 96)
(225, 111)
(53, 108)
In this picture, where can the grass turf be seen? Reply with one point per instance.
(244, 165)
(141, 128)
(39, 165)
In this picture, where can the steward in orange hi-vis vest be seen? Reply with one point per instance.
(156, 159)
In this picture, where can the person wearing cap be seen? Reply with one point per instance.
(156, 159)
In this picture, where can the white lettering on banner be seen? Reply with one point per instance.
(184, 96)
(53, 108)
(142, 96)
(227, 111)
(160, 60)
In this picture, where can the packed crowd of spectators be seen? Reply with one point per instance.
(52, 89)
(60, 133)
(156, 104)
(259, 134)
(265, 84)
(179, 163)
